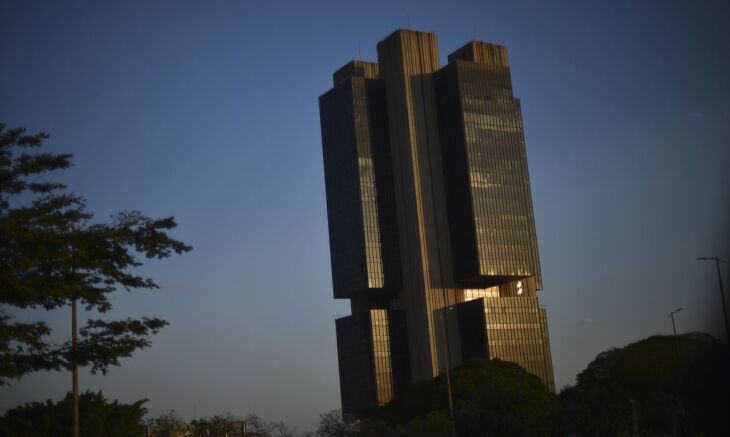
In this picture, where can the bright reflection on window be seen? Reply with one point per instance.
(471, 294)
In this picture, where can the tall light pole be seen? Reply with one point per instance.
(674, 328)
(671, 315)
(447, 362)
(75, 368)
(722, 292)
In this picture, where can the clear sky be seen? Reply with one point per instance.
(207, 110)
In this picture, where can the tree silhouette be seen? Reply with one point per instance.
(100, 417)
(53, 254)
(675, 385)
(491, 397)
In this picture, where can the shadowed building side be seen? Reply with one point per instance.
(372, 354)
(360, 209)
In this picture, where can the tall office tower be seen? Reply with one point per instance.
(432, 234)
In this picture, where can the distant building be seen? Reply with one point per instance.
(430, 217)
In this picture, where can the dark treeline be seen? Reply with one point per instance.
(658, 386)
(662, 385)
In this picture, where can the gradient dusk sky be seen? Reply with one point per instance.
(207, 110)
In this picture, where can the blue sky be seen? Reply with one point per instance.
(208, 111)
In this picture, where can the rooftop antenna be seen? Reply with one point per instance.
(408, 18)
(359, 54)
(474, 38)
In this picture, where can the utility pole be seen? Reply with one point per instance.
(447, 362)
(74, 367)
(722, 292)
(674, 328)
(74, 357)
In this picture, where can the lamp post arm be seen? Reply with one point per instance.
(722, 296)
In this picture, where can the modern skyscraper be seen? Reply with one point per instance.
(432, 234)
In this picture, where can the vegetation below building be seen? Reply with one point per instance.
(661, 385)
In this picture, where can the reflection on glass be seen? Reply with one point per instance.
(517, 332)
(382, 358)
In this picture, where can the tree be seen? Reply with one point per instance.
(335, 424)
(491, 397)
(676, 386)
(100, 417)
(283, 429)
(434, 424)
(53, 254)
(229, 425)
(170, 423)
(220, 425)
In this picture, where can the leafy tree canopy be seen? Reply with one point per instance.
(678, 386)
(52, 253)
(335, 424)
(99, 417)
(491, 397)
(169, 424)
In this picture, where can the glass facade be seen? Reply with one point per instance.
(373, 358)
(516, 331)
(381, 356)
(368, 191)
(431, 227)
(354, 356)
(510, 328)
(363, 236)
(487, 183)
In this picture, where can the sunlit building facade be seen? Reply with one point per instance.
(432, 232)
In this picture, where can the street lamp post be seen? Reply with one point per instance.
(722, 292)
(674, 327)
(445, 344)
